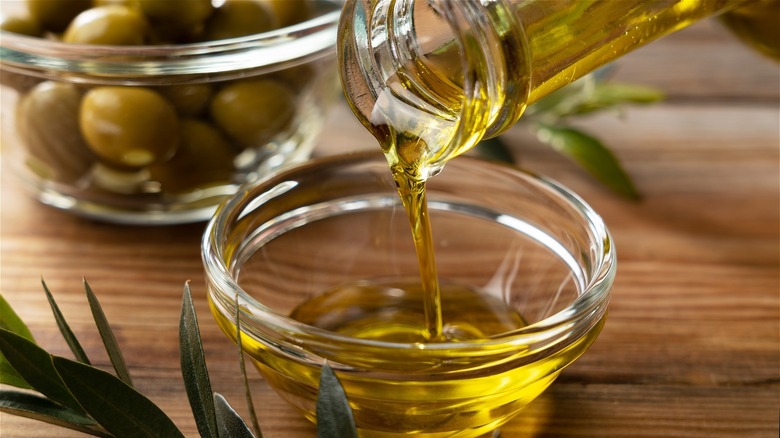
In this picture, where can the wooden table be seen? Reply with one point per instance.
(691, 347)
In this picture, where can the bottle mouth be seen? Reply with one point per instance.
(193, 62)
(460, 66)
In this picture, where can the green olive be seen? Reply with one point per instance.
(21, 24)
(48, 125)
(122, 181)
(253, 111)
(129, 127)
(204, 157)
(236, 18)
(298, 77)
(289, 12)
(55, 15)
(112, 25)
(17, 81)
(189, 100)
(180, 19)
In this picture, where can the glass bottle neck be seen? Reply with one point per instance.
(450, 72)
(428, 78)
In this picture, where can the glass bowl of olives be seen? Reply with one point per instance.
(153, 111)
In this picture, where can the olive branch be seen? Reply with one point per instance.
(549, 120)
(74, 394)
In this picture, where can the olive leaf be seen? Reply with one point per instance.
(107, 335)
(39, 408)
(593, 92)
(589, 153)
(608, 95)
(494, 149)
(561, 101)
(589, 94)
(10, 321)
(120, 409)
(34, 364)
(229, 423)
(9, 376)
(334, 415)
(247, 391)
(67, 333)
(194, 371)
(89, 400)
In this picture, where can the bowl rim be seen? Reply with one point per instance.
(272, 50)
(568, 324)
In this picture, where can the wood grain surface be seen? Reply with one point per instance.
(691, 347)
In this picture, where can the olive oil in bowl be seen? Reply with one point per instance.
(321, 263)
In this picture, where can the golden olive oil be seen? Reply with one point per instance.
(442, 393)
(391, 311)
(427, 113)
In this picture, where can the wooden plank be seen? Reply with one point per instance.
(692, 344)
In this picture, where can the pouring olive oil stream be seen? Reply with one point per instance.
(431, 78)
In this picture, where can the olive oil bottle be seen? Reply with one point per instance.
(430, 79)
(756, 25)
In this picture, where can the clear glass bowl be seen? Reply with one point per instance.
(526, 269)
(45, 84)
